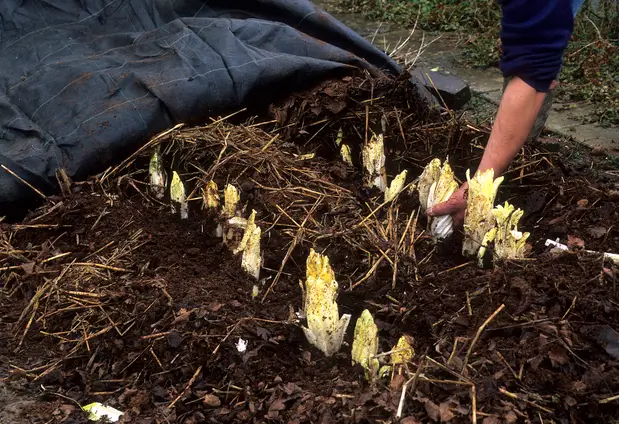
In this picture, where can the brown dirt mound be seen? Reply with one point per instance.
(109, 297)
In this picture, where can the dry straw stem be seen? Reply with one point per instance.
(478, 334)
(33, 188)
(187, 386)
(522, 399)
(405, 387)
(609, 399)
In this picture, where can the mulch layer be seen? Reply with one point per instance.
(108, 296)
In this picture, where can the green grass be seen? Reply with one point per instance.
(591, 62)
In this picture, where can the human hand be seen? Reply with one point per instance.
(455, 206)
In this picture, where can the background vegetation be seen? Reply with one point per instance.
(591, 63)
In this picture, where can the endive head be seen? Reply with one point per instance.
(396, 186)
(325, 328)
(403, 352)
(443, 187)
(155, 164)
(177, 189)
(231, 201)
(478, 218)
(320, 286)
(503, 214)
(373, 155)
(346, 154)
(157, 176)
(365, 345)
(483, 185)
(252, 259)
(210, 195)
(429, 176)
(339, 138)
(318, 268)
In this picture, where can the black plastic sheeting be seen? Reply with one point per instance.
(84, 83)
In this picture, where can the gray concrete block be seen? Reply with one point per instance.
(451, 89)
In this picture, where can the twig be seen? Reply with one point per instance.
(370, 272)
(610, 399)
(24, 181)
(152, 142)
(507, 364)
(412, 381)
(191, 381)
(455, 268)
(570, 308)
(450, 371)
(62, 396)
(292, 245)
(108, 267)
(520, 398)
(474, 404)
(478, 334)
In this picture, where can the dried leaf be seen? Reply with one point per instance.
(575, 243)
(263, 333)
(445, 412)
(291, 388)
(410, 420)
(183, 315)
(558, 356)
(597, 232)
(28, 267)
(397, 382)
(582, 203)
(511, 417)
(277, 405)
(433, 410)
(212, 401)
(214, 307)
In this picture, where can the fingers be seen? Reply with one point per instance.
(450, 207)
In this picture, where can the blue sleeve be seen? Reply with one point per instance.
(534, 34)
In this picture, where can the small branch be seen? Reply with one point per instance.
(610, 399)
(520, 398)
(191, 381)
(478, 334)
(24, 182)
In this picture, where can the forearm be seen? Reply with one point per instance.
(518, 110)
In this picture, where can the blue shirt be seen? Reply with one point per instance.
(534, 34)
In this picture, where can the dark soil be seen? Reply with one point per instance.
(144, 310)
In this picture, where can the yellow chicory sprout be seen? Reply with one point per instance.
(252, 257)
(157, 176)
(345, 151)
(177, 195)
(232, 198)
(210, 195)
(396, 186)
(251, 260)
(325, 328)
(429, 176)
(436, 185)
(478, 218)
(373, 155)
(365, 345)
(249, 227)
(509, 243)
(346, 154)
(402, 352)
(441, 227)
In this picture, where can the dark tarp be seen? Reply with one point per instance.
(84, 83)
